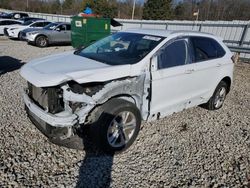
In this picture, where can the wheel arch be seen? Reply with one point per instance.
(228, 81)
(39, 35)
(98, 108)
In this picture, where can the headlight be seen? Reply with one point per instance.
(32, 33)
(13, 28)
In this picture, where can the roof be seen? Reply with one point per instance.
(165, 33)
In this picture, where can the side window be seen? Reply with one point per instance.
(206, 48)
(33, 25)
(39, 24)
(45, 23)
(174, 54)
(5, 23)
(62, 27)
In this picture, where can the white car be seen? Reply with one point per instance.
(6, 23)
(106, 89)
(14, 30)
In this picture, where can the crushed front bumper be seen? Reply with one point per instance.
(59, 130)
(62, 119)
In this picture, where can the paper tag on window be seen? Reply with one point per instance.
(151, 38)
(78, 23)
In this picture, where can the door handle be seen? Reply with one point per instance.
(189, 71)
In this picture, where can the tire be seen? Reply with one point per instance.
(218, 98)
(41, 41)
(109, 131)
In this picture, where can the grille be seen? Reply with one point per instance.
(49, 99)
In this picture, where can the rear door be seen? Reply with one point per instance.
(207, 65)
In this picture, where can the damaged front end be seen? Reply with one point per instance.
(61, 112)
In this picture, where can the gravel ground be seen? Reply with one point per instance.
(193, 148)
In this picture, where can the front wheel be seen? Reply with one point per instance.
(41, 41)
(117, 126)
(218, 98)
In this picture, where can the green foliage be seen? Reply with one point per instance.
(67, 4)
(157, 10)
(5, 4)
(102, 7)
(55, 7)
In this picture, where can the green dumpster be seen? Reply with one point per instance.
(85, 30)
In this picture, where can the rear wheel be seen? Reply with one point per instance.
(41, 41)
(218, 98)
(117, 126)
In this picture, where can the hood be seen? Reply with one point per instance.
(30, 30)
(56, 69)
(17, 26)
(46, 31)
(13, 26)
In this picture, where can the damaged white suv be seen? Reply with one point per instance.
(107, 88)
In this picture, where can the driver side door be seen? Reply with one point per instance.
(172, 81)
(59, 34)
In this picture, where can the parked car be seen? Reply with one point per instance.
(106, 89)
(14, 15)
(6, 23)
(24, 32)
(14, 31)
(54, 33)
(25, 19)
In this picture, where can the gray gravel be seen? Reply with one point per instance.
(194, 148)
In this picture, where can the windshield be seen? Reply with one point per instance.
(28, 22)
(51, 26)
(121, 48)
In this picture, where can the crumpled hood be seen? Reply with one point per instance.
(57, 69)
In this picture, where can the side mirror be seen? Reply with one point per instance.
(154, 63)
(58, 29)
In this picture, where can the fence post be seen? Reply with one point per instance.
(243, 36)
(200, 26)
(166, 26)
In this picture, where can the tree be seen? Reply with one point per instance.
(55, 7)
(157, 10)
(102, 7)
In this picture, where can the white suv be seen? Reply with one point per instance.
(107, 88)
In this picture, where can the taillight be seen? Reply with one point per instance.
(234, 58)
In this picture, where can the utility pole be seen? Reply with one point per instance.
(27, 4)
(133, 12)
(61, 5)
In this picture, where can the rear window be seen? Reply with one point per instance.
(206, 48)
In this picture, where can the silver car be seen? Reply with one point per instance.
(54, 33)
